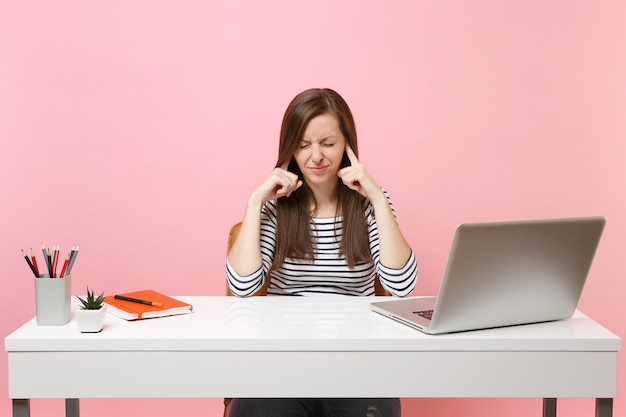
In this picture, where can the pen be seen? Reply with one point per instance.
(30, 264)
(137, 300)
(32, 256)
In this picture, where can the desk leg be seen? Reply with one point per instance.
(21, 407)
(604, 407)
(549, 407)
(71, 407)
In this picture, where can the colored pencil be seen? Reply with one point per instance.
(64, 269)
(55, 260)
(32, 257)
(46, 258)
(30, 264)
(73, 256)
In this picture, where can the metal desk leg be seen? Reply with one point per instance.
(549, 407)
(21, 407)
(71, 407)
(604, 407)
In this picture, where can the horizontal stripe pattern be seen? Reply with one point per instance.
(328, 273)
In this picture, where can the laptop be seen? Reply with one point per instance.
(505, 274)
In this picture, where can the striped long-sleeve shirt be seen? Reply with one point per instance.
(328, 272)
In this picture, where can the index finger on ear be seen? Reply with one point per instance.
(351, 155)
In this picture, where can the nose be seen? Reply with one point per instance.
(316, 154)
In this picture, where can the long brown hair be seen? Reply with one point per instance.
(294, 238)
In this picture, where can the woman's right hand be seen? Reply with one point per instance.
(245, 255)
(280, 183)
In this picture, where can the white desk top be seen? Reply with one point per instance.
(331, 323)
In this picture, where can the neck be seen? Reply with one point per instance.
(325, 201)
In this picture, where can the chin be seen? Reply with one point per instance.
(318, 180)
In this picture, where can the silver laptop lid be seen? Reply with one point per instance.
(508, 273)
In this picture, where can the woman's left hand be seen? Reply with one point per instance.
(393, 248)
(357, 178)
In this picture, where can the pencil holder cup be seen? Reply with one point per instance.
(53, 299)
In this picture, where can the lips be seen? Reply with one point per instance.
(319, 170)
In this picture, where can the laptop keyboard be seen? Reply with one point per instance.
(427, 314)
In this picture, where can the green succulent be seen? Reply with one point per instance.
(91, 302)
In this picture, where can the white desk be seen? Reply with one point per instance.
(308, 347)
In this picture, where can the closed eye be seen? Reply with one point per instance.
(328, 142)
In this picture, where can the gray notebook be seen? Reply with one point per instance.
(504, 274)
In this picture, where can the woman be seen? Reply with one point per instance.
(319, 224)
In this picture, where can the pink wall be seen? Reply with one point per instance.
(138, 129)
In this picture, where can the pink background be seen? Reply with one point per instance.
(138, 129)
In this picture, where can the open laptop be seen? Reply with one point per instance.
(504, 274)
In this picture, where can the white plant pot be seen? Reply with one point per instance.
(90, 321)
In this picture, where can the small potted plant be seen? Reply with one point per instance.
(90, 315)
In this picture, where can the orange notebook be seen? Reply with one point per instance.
(130, 310)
